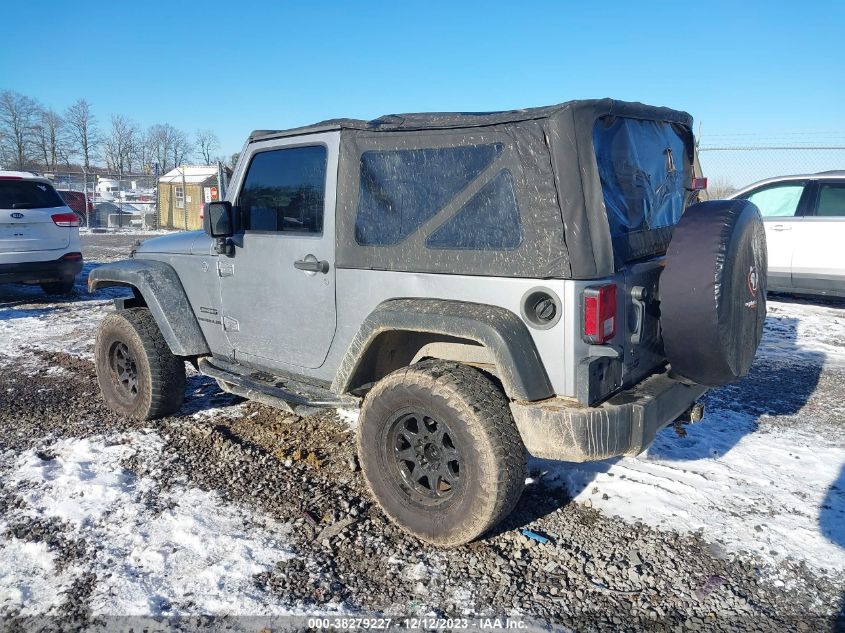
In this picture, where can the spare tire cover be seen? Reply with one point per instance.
(713, 291)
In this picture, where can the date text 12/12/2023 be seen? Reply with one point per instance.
(416, 623)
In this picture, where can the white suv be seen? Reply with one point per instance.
(39, 234)
(804, 218)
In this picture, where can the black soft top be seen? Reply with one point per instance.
(548, 151)
(449, 120)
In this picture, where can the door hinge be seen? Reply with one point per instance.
(225, 269)
(231, 325)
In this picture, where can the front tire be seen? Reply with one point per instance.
(440, 451)
(139, 376)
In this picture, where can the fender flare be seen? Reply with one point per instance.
(159, 285)
(499, 330)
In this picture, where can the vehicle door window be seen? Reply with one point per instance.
(831, 202)
(777, 201)
(284, 190)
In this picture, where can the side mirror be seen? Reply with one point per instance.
(219, 220)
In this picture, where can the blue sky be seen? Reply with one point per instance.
(762, 69)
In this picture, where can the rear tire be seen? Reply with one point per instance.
(440, 451)
(64, 287)
(139, 376)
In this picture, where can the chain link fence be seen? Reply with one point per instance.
(141, 201)
(114, 201)
(730, 168)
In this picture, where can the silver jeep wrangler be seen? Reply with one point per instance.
(482, 285)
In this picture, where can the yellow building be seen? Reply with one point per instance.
(181, 194)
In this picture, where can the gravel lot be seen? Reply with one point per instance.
(233, 508)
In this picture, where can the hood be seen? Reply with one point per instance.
(180, 243)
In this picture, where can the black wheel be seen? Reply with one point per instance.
(440, 451)
(138, 374)
(64, 287)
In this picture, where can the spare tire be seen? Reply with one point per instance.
(713, 291)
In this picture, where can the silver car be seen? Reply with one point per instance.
(482, 286)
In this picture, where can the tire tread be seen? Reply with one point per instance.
(166, 371)
(503, 475)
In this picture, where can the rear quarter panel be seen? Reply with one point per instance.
(360, 291)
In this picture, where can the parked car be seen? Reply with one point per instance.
(804, 218)
(39, 234)
(77, 201)
(481, 285)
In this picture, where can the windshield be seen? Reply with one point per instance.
(644, 167)
(28, 194)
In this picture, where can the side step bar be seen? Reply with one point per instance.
(251, 387)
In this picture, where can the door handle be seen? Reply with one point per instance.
(311, 264)
(781, 227)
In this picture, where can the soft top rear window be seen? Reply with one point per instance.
(644, 167)
(28, 194)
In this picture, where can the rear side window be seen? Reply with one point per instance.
(644, 167)
(488, 221)
(777, 201)
(400, 190)
(28, 194)
(285, 190)
(831, 200)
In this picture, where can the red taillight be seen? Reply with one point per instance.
(599, 313)
(698, 184)
(65, 219)
(71, 257)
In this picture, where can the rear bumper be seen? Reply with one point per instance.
(624, 425)
(66, 267)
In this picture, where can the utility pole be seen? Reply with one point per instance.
(184, 197)
(222, 185)
(85, 192)
(158, 203)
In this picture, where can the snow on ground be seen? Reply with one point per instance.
(28, 576)
(29, 319)
(52, 327)
(185, 543)
(807, 329)
(764, 471)
(133, 232)
(765, 494)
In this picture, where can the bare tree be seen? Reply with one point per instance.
(169, 145)
(182, 147)
(82, 126)
(143, 152)
(159, 142)
(119, 145)
(161, 137)
(50, 138)
(207, 142)
(719, 188)
(18, 120)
